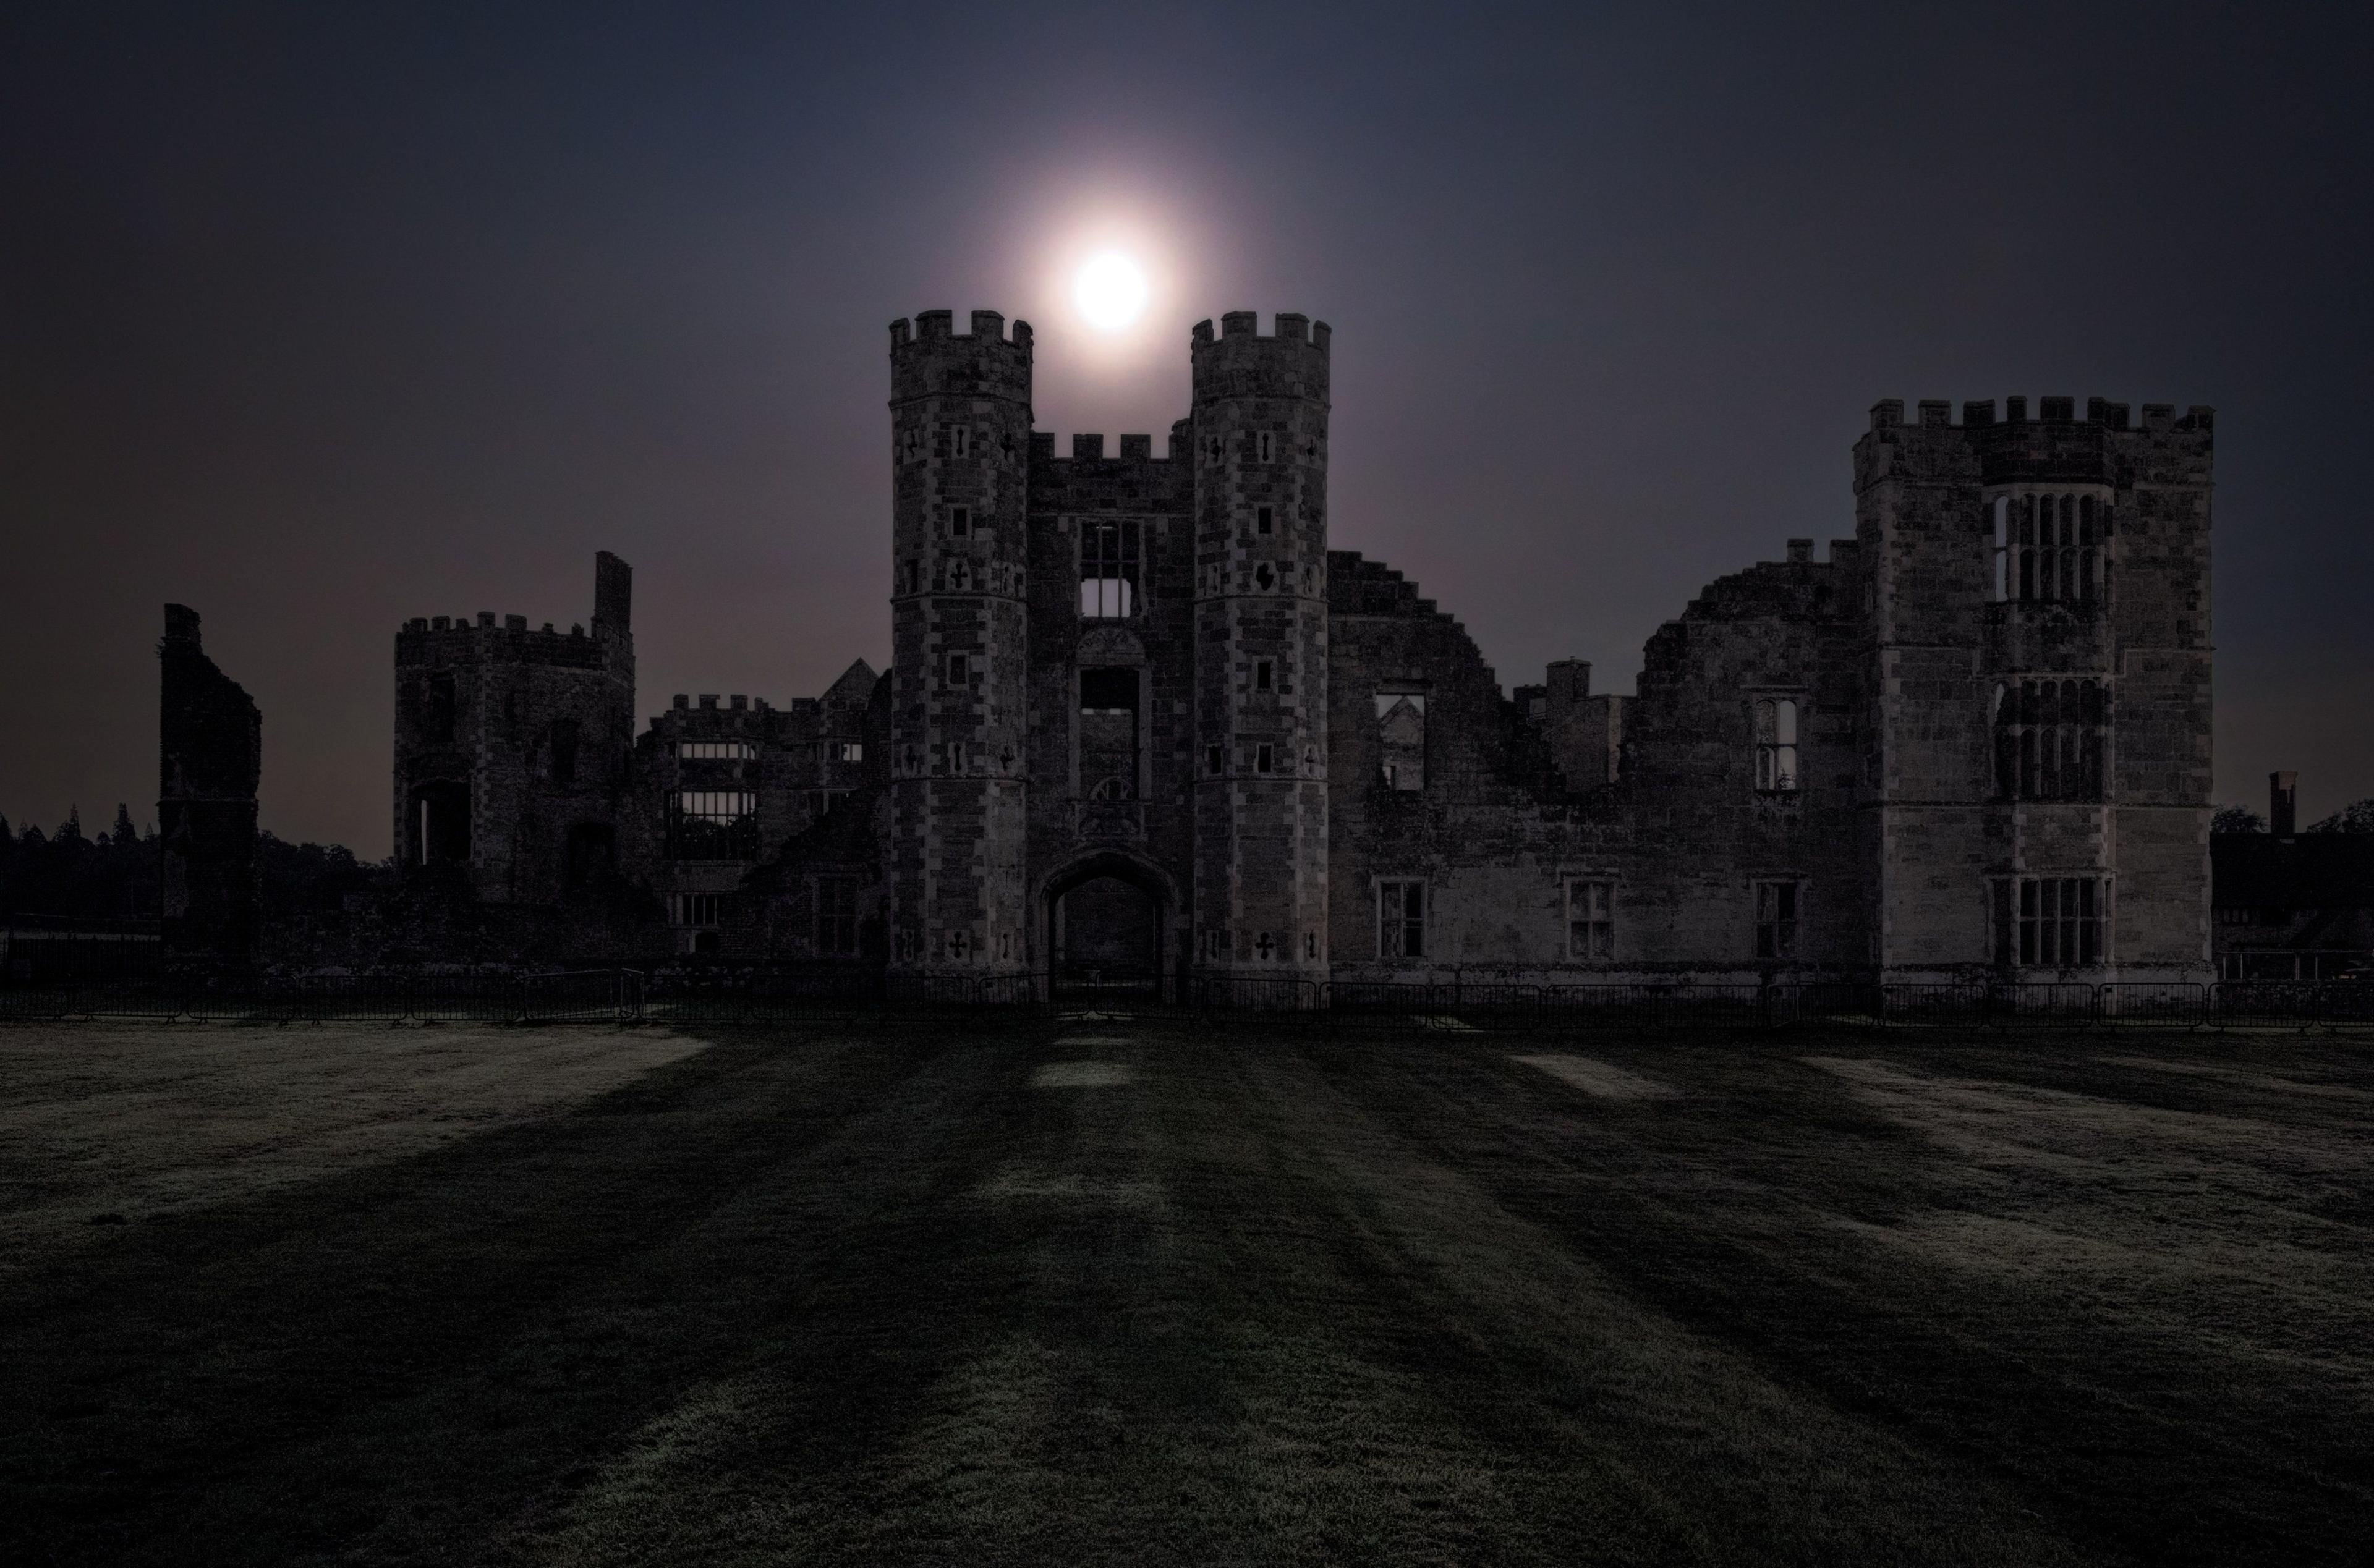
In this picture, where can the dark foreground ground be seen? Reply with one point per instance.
(1104, 1294)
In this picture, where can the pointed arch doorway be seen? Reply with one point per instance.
(1107, 916)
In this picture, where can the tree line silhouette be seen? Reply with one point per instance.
(112, 875)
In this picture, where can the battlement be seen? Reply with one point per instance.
(1292, 361)
(933, 358)
(1091, 449)
(463, 641)
(1887, 413)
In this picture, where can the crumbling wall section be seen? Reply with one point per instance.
(210, 756)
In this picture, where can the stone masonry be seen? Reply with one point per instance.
(1143, 722)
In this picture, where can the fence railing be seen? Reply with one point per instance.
(727, 996)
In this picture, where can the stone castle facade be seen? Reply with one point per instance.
(1142, 720)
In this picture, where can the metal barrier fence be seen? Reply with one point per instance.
(758, 996)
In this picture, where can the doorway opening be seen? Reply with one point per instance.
(1105, 924)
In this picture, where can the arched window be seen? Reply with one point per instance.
(1775, 744)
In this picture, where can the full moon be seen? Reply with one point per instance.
(1111, 291)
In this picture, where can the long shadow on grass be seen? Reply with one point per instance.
(1722, 1209)
(389, 1363)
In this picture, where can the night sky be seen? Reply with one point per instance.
(322, 317)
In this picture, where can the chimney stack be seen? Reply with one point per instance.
(2283, 804)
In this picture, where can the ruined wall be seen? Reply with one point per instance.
(210, 755)
(793, 767)
(513, 747)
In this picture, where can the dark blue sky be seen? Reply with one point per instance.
(321, 317)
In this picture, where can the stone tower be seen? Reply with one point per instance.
(1260, 450)
(960, 457)
(2040, 701)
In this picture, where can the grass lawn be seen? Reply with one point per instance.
(1095, 1292)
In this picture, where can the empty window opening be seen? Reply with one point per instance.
(564, 752)
(1109, 734)
(693, 909)
(438, 715)
(1775, 744)
(441, 823)
(1215, 760)
(1265, 578)
(1775, 919)
(1262, 667)
(2051, 740)
(959, 669)
(1264, 519)
(1401, 740)
(1264, 757)
(914, 577)
(713, 824)
(845, 751)
(836, 916)
(1110, 570)
(590, 852)
(1401, 919)
(959, 521)
(1590, 921)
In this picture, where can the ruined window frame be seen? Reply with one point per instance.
(1778, 724)
(1112, 568)
(2052, 737)
(1591, 921)
(712, 824)
(693, 911)
(1401, 918)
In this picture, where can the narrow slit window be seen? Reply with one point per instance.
(959, 521)
(1262, 674)
(1264, 519)
(1265, 448)
(1775, 919)
(959, 441)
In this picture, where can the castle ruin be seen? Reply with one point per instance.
(1142, 721)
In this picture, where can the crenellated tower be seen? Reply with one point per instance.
(961, 445)
(1259, 442)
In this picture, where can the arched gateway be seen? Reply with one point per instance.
(1107, 916)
